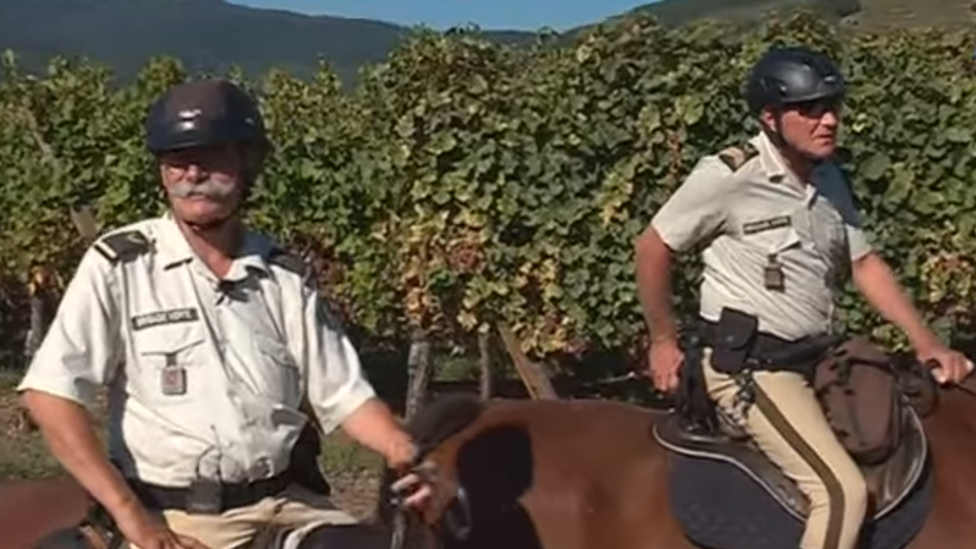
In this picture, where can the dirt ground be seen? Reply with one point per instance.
(352, 471)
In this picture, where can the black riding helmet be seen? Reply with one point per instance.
(790, 75)
(205, 113)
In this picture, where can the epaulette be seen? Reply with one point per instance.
(737, 155)
(123, 246)
(289, 261)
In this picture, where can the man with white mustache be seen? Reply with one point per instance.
(216, 348)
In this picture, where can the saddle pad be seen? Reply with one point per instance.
(721, 506)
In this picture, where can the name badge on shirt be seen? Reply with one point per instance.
(763, 225)
(172, 377)
(160, 318)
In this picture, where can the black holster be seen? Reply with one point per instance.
(693, 407)
(303, 466)
(738, 345)
(732, 339)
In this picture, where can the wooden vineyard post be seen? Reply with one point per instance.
(486, 388)
(533, 375)
(420, 370)
(42, 305)
(85, 223)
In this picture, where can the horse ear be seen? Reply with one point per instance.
(902, 361)
(442, 419)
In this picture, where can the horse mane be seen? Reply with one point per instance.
(916, 383)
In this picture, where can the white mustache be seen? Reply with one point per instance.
(207, 189)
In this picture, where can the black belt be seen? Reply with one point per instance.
(218, 496)
(772, 352)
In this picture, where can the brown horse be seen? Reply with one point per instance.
(591, 474)
(31, 510)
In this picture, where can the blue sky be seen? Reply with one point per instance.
(440, 14)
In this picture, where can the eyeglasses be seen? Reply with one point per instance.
(206, 161)
(818, 107)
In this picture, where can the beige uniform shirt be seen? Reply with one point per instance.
(760, 211)
(205, 375)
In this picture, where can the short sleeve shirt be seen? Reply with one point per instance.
(760, 214)
(206, 376)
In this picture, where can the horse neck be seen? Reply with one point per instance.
(952, 422)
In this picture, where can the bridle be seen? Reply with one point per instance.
(916, 381)
(458, 527)
(441, 420)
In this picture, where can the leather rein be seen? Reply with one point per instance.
(459, 527)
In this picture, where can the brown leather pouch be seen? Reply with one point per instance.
(859, 395)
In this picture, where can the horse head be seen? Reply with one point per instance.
(449, 513)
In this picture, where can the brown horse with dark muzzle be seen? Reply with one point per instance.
(590, 474)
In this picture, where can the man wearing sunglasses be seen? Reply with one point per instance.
(781, 234)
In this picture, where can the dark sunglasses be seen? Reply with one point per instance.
(817, 107)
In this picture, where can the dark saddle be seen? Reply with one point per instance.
(889, 481)
(873, 403)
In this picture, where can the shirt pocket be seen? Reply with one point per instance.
(172, 362)
(279, 376)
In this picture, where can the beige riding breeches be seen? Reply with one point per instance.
(788, 425)
(267, 524)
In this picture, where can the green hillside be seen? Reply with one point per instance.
(212, 35)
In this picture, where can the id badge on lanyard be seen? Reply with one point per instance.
(773, 276)
(173, 377)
